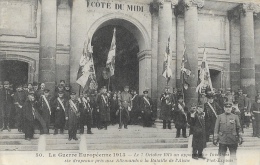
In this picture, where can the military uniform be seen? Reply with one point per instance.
(7, 106)
(19, 100)
(227, 133)
(243, 105)
(125, 104)
(73, 115)
(167, 106)
(86, 110)
(103, 110)
(60, 105)
(255, 112)
(146, 109)
(211, 111)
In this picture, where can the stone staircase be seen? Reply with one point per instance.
(135, 137)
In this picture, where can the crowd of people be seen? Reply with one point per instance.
(63, 109)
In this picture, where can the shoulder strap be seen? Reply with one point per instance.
(61, 104)
(212, 109)
(73, 106)
(47, 103)
(147, 101)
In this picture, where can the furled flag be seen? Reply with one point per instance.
(112, 55)
(185, 70)
(86, 73)
(204, 77)
(167, 71)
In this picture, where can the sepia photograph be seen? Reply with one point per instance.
(131, 82)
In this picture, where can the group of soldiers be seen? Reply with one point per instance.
(62, 108)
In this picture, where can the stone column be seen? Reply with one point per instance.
(48, 40)
(174, 47)
(234, 25)
(154, 8)
(191, 42)
(257, 52)
(247, 65)
(164, 31)
(78, 35)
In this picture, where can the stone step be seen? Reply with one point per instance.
(62, 147)
(135, 146)
(19, 147)
(18, 142)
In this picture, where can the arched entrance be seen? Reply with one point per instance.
(135, 51)
(126, 66)
(16, 72)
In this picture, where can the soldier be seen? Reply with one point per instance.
(73, 115)
(181, 117)
(60, 107)
(45, 107)
(35, 86)
(125, 106)
(19, 99)
(103, 109)
(7, 105)
(135, 112)
(255, 114)
(113, 108)
(211, 109)
(197, 129)
(146, 109)
(86, 109)
(167, 106)
(227, 133)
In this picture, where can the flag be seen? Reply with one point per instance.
(86, 73)
(186, 70)
(112, 55)
(204, 78)
(167, 72)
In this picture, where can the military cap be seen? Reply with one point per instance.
(240, 90)
(67, 85)
(62, 81)
(228, 104)
(6, 82)
(60, 86)
(72, 93)
(210, 95)
(126, 87)
(145, 91)
(25, 86)
(46, 90)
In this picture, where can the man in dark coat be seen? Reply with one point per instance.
(146, 109)
(60, 105)
(103, 109)
(167, 106)
(40, 92)
(181, 117)
(73, 115)
(86, 109)
(19, 99)
(7, 105)
(44, 104)
(255, 114)
(197, 129)
(125, 106)
(211, 110)
(114, 107)
(135, 112)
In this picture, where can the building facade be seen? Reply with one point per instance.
(48, 36)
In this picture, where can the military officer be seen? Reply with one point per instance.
(19, 99)
(72, 115)
(146, 109)
(45, 107)
(7, 105)
(125, 106)
(255, 114)
(227, 133)
(211, 109)
(60, 105)
(167, 106)
(103, 109)
(86, 109)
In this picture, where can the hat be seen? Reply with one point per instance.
(6, 82)
(62, 81)
(61, 92)
(25, 86)
(145, 91)
(180, 97)
(193, 105)
(72, 93)
(210, 95)
(126, 87)
(67, 85)
(60, 86)
(19, 86)
(46, 90)
(240, 90)
(228, 104)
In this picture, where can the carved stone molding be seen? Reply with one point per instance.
(197, 3)
(249, 7)
(173, 3)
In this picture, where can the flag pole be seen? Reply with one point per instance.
(108, 84)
